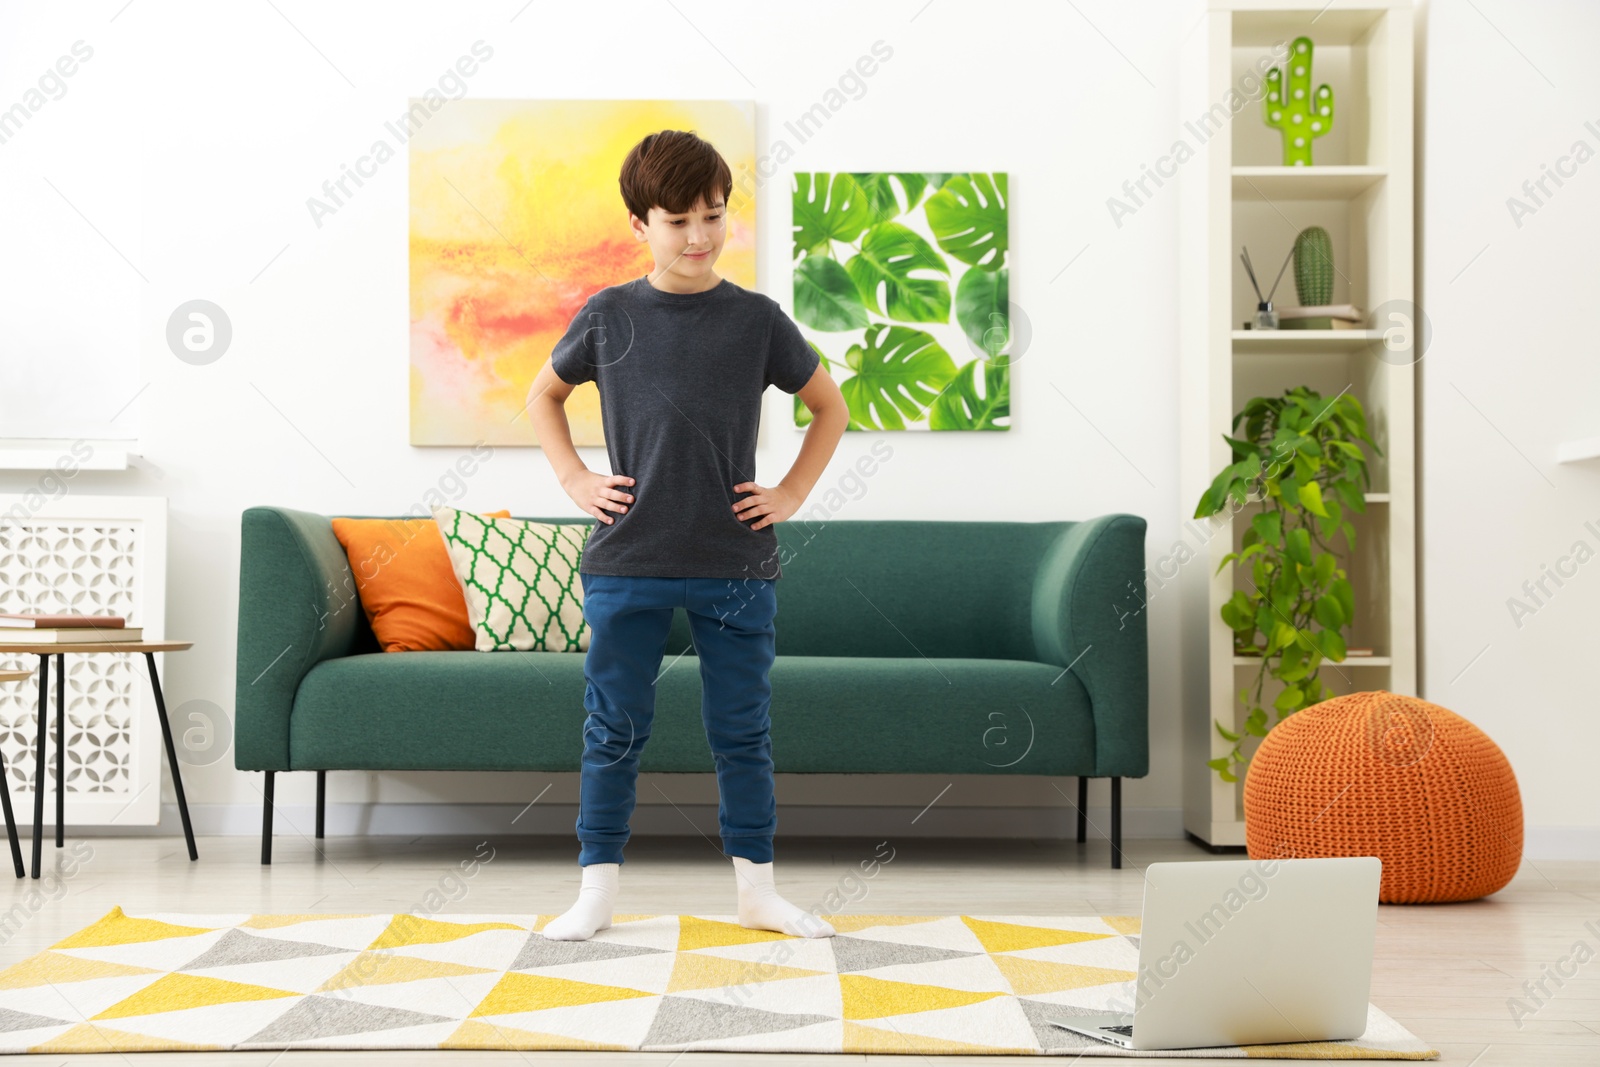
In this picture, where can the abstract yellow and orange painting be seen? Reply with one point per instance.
(516, 218)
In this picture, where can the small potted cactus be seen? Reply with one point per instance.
(1313, 277)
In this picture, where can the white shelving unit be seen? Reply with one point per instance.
(1235, 192)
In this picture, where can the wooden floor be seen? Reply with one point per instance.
(1445, 971)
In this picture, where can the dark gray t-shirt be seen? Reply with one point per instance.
(681, 377)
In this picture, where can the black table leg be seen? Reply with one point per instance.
(11, 820)
(38, 764)
(172, 756)
(61, 748)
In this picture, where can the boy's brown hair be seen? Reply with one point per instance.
(671, 170)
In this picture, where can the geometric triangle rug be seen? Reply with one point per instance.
(965, 984)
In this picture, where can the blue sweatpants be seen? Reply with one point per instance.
(731, 621)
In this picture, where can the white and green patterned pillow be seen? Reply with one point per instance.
(520, 580)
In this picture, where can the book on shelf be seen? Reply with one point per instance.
(71, 635)
(1322, 317)
(22, 621)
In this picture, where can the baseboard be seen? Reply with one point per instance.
(559, 820)
(816, 820)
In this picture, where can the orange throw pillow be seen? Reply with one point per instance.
(406, 584)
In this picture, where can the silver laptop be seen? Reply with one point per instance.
(1249, 952)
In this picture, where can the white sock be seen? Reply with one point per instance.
(761, 908)
(592, 912)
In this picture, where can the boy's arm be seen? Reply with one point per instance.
(830, 416)
(547, 398)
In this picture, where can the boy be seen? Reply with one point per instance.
(681, 358)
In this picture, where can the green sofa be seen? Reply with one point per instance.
(903, 647)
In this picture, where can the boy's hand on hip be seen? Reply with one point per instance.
(592, 492)
(772, 505)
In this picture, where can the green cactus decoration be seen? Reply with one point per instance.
(1295, 114)
(1313, 275)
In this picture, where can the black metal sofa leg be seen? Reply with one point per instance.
(1116, 823)
(1083, 809)
(322, 796)
(266, 822)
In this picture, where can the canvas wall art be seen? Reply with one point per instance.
(515, 220)
(901, 283)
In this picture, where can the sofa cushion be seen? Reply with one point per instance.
(405, 583)
(849, 714)
(519, 579)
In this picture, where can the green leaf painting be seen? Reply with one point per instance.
(902, 285)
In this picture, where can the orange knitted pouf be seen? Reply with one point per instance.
(1380, 774)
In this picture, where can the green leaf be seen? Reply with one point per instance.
(1288, 700)
(1284, 635)
(1330, 613)
(1351, 494)
(1269, 527)
(1237, 614)
(825, 298)
(968, 219)
(983, 309)
(1257, 722)
(898, 373)
(960, 405)
(1325, 567)
(1311, 498)
(827, 207)
(881, 192)
(889, 253)
(1240, 448)
(1297, 545)
(1218, 764)
(1332, 645)
(1346, 596)
(1292, 665)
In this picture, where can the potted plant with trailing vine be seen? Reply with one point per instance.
(1300, 456)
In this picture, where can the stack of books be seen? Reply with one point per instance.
(66, 629)
(1322, 317)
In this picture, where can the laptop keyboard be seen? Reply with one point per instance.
(1125, 1031)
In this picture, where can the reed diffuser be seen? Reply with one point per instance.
(1266, 314)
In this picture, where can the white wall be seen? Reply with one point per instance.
(1513, 371)
(231, 116)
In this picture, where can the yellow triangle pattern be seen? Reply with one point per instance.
(1028, 977)
(480, 1035)
(866, 1040)
(116, 928)
(694, 932)
(849, 924)
(518, 992)
(177, 992)
(1122, 924)
(87, 1037)
(58, 969)
(386, 968)
(874, 998)
(408, 929)
(274, 922)
(693, 971)
(1012, 937)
